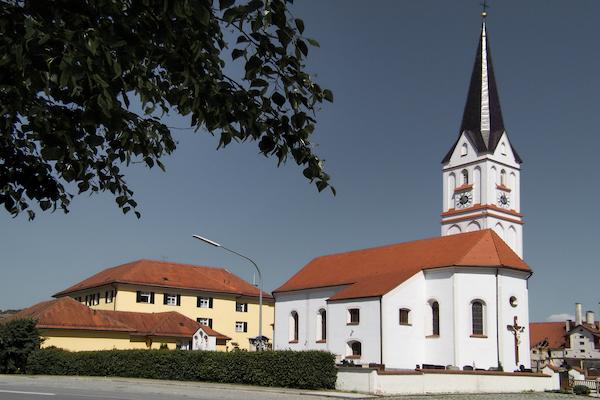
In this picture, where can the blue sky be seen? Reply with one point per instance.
(399, 71)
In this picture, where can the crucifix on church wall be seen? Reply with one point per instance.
(516, 331)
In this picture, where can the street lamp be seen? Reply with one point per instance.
(259, 343)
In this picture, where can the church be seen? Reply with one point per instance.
(458, 301)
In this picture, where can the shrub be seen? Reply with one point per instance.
(581, 390)
(297, 369)
(18, 338)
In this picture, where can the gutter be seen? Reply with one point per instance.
(380, 331)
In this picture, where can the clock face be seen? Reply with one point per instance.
(464, 199)
(503, 200)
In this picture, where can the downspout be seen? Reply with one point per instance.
(380, 331)
(497, 323)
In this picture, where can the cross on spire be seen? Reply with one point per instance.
(484, 7)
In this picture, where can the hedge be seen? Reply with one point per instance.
(294, 369)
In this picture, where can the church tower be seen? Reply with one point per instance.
(481, 172)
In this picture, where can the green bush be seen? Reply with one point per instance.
(581, 390)
(18, 338)
(297, 369)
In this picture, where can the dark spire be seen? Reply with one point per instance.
(482, 119)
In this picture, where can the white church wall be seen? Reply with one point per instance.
(439, 287)
(403, 344)
(367, 331)
(513, 284)
(469, 285)
(306, 303)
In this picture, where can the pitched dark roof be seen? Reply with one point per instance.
(484, 140)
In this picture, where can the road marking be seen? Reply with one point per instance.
(34, 393)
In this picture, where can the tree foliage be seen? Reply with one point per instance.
(18, 339)
(69, 71)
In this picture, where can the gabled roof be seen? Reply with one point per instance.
(588, 327)
(482, 120)
(550, 334)
(169, 274)
(375, 271)
(67, 313)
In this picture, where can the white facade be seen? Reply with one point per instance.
(384, 340)
(482, 191)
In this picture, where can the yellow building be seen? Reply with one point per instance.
(70, 325)
(212, 296)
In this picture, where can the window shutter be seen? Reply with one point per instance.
(165, 296)
(151, 297)
(138, 296)
(245, 327)
(210, 302)
(210, 323)
(198, 301)
(178, 299)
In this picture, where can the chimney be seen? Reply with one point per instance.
(589, 318)
(578, 315)
(568, 325)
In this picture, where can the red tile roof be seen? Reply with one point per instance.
(552, 332)
(169, 274)
(67, 313)
(375, 271)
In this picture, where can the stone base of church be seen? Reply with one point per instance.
(397, 382)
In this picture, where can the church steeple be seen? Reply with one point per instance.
(482, 170)
(482, 117)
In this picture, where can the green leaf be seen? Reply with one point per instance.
(313, 42)
(237, 53)
(278, 99)
(52, 153)
(328, 95)
(302, 47)
(225, 4)
(299, 25)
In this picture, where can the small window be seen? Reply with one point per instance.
(404, 316)
(503, 178)
(145, 297)
(435, 318)
(109, 296)
(477, 318)
(293, 327)
(354, 349)
(241, 326)
(464, 150)
(204, 302)
(465, 176)
(582, 351)
(503, 149)
(205, 321)
(513, 301)
(353, 316)
(241, 307)
(322, 325)
(172, 299)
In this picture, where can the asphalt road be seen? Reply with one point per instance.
(84, 388)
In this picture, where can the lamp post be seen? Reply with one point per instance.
(259, 343)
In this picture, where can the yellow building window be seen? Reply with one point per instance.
(241, 307)
(241, 326)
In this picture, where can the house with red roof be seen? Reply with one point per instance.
(213, 297)
(459, 300)
(70, 325)
(568, 344)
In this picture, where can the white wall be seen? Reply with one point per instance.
(367, 332)
(403, 344)
(372, 382)
(512, 283)
(306, 303)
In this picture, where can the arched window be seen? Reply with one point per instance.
(354, 349)
(464, 150)
(503, 178)
(477, 317)
(293, 327)
(465, 176)
(435, 318)
(322, 325)
(404, 316)
(503, 149)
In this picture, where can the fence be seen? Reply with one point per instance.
(594, 385)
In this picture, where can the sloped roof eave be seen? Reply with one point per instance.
(67, 292)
